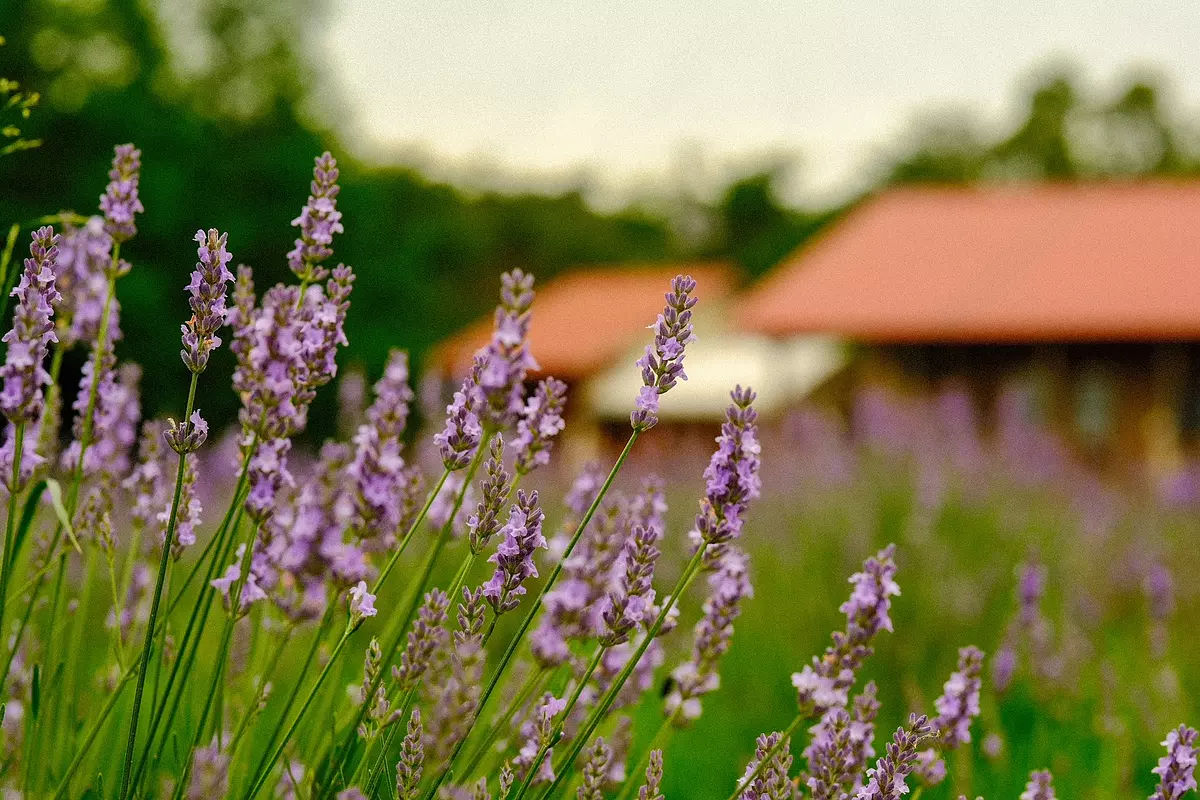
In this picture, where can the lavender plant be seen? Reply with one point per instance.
(513, 660)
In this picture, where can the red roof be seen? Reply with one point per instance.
(584, 319)
(1103, 262)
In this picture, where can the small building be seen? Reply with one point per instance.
(1086, 295)
(591, 324)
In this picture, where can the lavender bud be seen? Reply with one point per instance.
(187, 437)
(427, 634)
(507, 356)
(460, 437)
(829, 757)
(267, 473)
(595, 771)
(485, 522)
(629, 601)
(886, 780)
(319, 220)
(120, 202)
(731, 477)
(207, 301)
(662, 365)
(21, 399)
(654, 774)
(412, 757)
(541, 421)
(772, 781)
(959, 703)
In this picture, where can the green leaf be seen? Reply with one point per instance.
(60, 511)
(35, 691)
(27, 514)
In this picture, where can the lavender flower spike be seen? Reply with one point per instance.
(732, 479)
(412, 758)
(514, 556)
(662, 365)
(595, 771)
(28, 340)
(207, 290)
(772, 782)
(427, 634)
(630, 602)
(959, 703)
(1039, 786)
(886, 780)
(541, 421)
(120, 199)
(319, 220)
(485, 522)
(1177, 769)
(507, 355)
(654, 776)
(460, 437)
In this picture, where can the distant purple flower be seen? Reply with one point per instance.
(829, 757)
(959, 703)
(693, 679)
(886, 780)
(361, 602)
(1177, 769)
(595, 771)
(630, 601)
(120, 201)
(540, 422)
(32, 330)
(537, 734)
(226, 585)
(507, 357)
(116, 415)
(84, 258)
(732, 479)
(1004, 666)
(460, 437)
(1040, 786)
(1159, 588)
(650, 790)
(210, 773)
(319, 220)
(267, 472)
(514, 555)
(207, 301)
(662, 365)
(147, 481)
(378, 468)
(187, 516)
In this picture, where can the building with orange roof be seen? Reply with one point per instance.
(1088, 295)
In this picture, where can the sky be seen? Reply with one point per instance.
(627, 96)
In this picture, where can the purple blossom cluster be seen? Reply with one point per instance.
(662, 364)
(115, 420)
(1176, 770)
(495, 487)
(886, 781)
(207, 289)
(378, 470)
(459, 439)
(522, 538)
(319, 220)
(766, 775)
(24, 373)
(541, 420)
(120, 203)
(84, 258)
(507, 356)
(1040, 786)
(731, 479)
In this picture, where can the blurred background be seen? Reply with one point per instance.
(956, 246)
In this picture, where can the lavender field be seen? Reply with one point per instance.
(918, 602)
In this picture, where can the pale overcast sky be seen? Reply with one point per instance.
(538, 90)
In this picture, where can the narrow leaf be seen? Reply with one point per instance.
(35, 691)
(60, 511)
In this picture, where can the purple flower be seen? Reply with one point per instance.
(959, 703)
(829, 757)
(693, 679)
(540, 422)
(84, 258)
(662, 365)
(24, 375)
(412, 757)
(227, 584)
(514, 555)
(867, 609)
(116, 416)
(537, 734)
(630, 601)
(886, 780)
(267, 473)
(187, 517)
(210, 773)
(507, 358)
(732, 479)
(207, 290)
(187, 436)
(1176, 770)
(361, 603)
(378, 469)
(460, 437)
(147, 481)
(595, 771)
(1040, 786)
(319, 220)
(120, 199)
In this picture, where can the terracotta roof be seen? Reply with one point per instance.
(1104, 262)
(585, 318)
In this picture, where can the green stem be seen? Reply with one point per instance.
(265, 768)
(267, 674)
(65, 784)
(147, 646)
(391, 562)
(597, 715)
(6, 565)
(659, 740)
(511, 650)
(493, 733)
